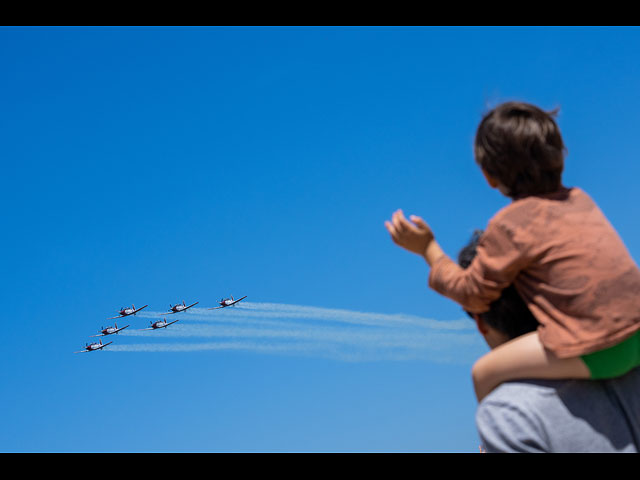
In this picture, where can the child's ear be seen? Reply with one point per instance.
(482, 327)
(492, 181)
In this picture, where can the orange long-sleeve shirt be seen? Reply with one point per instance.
(567, 262)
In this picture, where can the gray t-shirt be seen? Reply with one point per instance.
(562, 416)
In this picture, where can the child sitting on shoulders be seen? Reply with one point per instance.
(557, 248)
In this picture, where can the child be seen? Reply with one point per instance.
(557, 248)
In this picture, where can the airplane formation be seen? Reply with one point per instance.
(125, 312)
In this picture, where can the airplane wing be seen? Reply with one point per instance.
(150, 328)
(189, 306)
(214, 308)
(99, 335)
(121, 328)
(172, 322)
(119, 316)
(81, 351)
(140, 309)
(236, 301)
(104, 345)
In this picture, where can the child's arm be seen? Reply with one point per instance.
(416, 237)
(450, 280)
(495, 266)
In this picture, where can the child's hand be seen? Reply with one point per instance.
(415, 236)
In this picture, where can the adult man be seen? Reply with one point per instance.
(551, 415)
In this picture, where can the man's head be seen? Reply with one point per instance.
(520, 149)
(508, 317)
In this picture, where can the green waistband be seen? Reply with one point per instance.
(614, 361)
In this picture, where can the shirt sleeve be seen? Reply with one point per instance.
(498, 261)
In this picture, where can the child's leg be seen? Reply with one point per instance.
(522, 357)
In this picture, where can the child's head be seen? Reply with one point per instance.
(520, 146)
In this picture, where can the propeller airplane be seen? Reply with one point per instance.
(94, 346)
(109, 330)
(178, 308)
(227, 302)
(159, 324)
(125, 312)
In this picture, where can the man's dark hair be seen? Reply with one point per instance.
(520, 146)
(508, 314)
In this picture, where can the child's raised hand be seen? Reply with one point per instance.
(414, 235)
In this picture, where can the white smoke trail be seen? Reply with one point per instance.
(280, 310)
(303, 330)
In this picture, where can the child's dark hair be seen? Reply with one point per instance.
(508, 314)
(520, 146)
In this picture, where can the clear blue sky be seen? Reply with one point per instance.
(155, 165)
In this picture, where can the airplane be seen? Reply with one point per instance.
(125, 312)
(109, 331)
(178, 308)
(159, 324)
(227, 302)
(94, 346)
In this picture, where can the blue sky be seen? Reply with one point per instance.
(156, 165)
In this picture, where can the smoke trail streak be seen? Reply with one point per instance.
(280, 310)
(313, 331)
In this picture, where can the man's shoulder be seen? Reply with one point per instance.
(562, 415)
(527, 396)
(511, 418)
